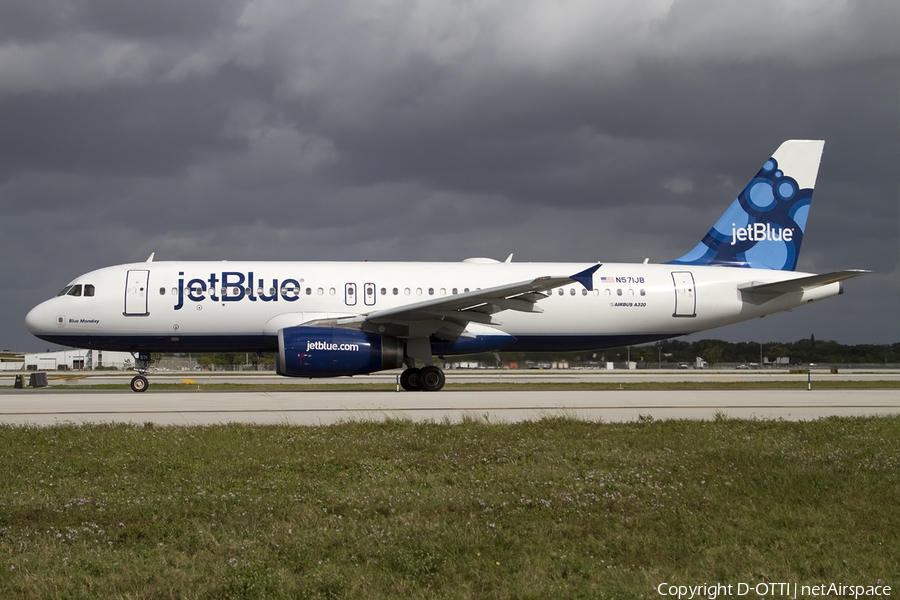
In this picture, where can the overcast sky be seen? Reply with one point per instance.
(559, 130)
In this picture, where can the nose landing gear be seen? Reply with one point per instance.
(139, 383)
(142, 365)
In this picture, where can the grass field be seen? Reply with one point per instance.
(556, 508)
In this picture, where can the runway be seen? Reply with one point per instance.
(77, 378)
(322, 407)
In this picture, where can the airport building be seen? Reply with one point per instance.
(11, 361)
(77, 360)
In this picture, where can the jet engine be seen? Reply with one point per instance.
(332, 352)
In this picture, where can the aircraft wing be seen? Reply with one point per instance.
(448, 316)
(799, 284)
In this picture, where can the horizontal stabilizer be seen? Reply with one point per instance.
(800, 284)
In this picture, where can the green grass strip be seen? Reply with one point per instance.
(557, 508)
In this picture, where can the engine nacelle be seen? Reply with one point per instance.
(332, 351)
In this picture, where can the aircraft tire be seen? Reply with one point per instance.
(431, 379)
(409, 379)
(139, 384)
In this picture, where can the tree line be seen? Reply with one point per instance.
(677, 351)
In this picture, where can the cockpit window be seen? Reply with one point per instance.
(76, 290)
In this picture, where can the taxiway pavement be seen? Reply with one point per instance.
(320, 407)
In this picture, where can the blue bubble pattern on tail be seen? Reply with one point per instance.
(762, 229)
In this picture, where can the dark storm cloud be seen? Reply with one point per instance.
(43, 19)
(32, 20)
(401, 130)
(157, 19)
(115, 132)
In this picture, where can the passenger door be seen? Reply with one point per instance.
(685, 296)
(136, 283)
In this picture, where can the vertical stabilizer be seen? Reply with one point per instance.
(763, 228)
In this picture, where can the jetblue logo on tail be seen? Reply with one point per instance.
(758, 232)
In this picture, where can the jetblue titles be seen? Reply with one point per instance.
(232, 286)
(319, 345)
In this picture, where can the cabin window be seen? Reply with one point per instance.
(395, 291)
(406, 291)
(584, 292)
(643, 292)
(162, 291)
(431, 291)
(561, 292)
(332, 291)
(618, 292)
(384, 291)
(320, 292)
(308, 292)
(572, 291)
(418, 291)
(455, 291)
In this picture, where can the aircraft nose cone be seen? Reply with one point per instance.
(38, 320)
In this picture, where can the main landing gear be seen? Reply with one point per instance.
(427, 379)
(142, 365)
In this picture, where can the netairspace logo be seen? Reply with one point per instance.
(771, 590)
(760, 232)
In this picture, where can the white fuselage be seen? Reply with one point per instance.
(241, 306)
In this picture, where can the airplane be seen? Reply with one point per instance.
(331, 319)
